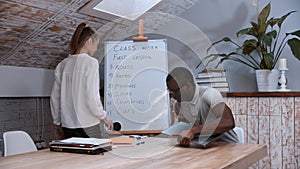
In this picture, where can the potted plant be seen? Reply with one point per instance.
(262, 47)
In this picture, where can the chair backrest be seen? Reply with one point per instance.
(17, 142)
(240, 133)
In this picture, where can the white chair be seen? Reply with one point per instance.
(240, 133)
(17, 142)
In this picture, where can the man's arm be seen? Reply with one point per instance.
(223, 123)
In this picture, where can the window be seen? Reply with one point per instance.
(113, 9)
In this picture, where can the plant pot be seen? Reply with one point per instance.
(267, 80)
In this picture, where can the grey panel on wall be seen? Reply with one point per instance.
(25, 81)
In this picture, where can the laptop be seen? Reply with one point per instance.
(80, 150)
(81, 145)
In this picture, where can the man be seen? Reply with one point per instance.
(204, 107)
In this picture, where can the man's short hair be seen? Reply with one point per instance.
(181, 75)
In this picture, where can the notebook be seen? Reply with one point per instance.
(177, 128)
(200, 141)
(122, 141)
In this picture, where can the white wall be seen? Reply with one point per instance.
(219, 18)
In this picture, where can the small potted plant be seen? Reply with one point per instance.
(262, 47)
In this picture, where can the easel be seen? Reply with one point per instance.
(141, 36)
(118, 130)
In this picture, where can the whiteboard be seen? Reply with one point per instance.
(135, 87)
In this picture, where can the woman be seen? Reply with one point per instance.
(75, 100)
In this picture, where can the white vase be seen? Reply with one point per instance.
(267, 80)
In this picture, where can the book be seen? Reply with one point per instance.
(222, 89)
(214, 84)
(212, 79)
(213, 70)
(210, 74)
(177, 128)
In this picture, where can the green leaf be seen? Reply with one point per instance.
(211, 56)
(249, 46)
(227, 56)
(266, 39)
(269, 60)
(296, 33)
(295, 47)
(272, 34)
(272, 22)
(242, 32)
(211, 59)
(252, 32)
(225, 39)
(249, 31)
(262, 65)
(262, 30)
(264, 14)
(281, 20)
(224, 55)
(254, 25)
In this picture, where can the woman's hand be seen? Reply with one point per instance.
(108, 123)
(58, 132)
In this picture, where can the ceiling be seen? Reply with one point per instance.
(36, 33)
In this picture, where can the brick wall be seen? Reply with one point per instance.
(32, 115)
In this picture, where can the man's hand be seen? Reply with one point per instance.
(185, 137)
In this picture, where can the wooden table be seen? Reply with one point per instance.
(137, 132)
(153, 153)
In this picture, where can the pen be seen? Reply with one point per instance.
(142, 142)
